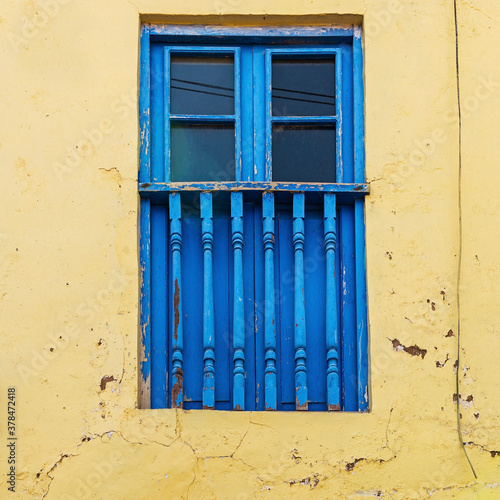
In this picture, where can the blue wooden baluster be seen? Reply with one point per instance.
(207, 230)
(238, 308)
(299, 303)
(177, 330)
(270, 307)
(332, 334)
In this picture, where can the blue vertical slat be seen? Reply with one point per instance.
(238, 303)
(237, 115)
(338, 287)
(358, 110)
(144, 108)
(301, 398)
(361, 306)
(315, 295)
(157, 114)
(177, 316)
(258, 321)
(208, 302)
(268, 114)
(249, 268)
(247, 96)
(166, 121)
(270, 307)
(339, 112)
(259, 84)
(145, 259)
(222, 261)
(284, 275)
(192, 293)
(159, 307)
(347, 142)
(348, 308)
(332, 334)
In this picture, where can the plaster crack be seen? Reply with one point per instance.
(193, 481)
(52, 469)
(493, 453)
(387, 433)
(240, 443)
(148, 441)
(480, 11)
(134, 6)
(262, 425)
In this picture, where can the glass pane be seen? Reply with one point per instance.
(303, 87)
(202, 153)
(304, 153)
(201, 85)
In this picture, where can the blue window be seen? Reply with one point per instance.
(252, 186)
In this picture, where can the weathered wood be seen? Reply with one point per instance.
(361, 307)
(144, 108)
(177, 327)
(352, 189)
(145, 356)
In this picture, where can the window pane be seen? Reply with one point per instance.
(303, 87)
(303, 153)
(201, 85)
(202, 153)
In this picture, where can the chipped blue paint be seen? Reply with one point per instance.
(361, 306)
(145, 261)
(353, 190)
(261, 34)
(144, 107)
(177, 318)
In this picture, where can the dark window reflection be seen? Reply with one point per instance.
(303, 87)
(201, 85)
(304, 153)
(202, 153)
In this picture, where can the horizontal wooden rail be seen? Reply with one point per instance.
(172, 187)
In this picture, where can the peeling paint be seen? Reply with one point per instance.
(413, 350)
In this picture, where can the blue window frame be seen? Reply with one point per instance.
(252, 240)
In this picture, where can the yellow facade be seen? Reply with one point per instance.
(69, 265)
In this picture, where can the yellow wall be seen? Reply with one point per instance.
(69, 272)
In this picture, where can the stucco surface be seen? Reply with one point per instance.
(69, 289)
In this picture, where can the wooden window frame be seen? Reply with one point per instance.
(327, 40)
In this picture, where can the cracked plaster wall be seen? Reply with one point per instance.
(68, 268)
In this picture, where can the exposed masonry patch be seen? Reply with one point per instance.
(350, 465)
(105, 380)
(413, 350)
(311, 481)
(465, 402)
(440, 365)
